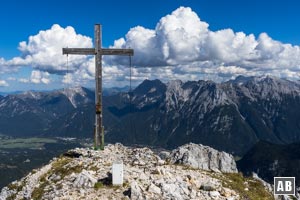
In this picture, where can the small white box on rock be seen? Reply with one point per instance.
(117, 174)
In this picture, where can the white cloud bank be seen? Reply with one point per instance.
(37, 77)
(180, 47)
(183, 42)
(44, 51)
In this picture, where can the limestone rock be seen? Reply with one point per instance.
(136, 191)
(154, 189)
(203, 157)
(84, 179)
(214, 194)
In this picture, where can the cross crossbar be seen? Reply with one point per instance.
(92, 51)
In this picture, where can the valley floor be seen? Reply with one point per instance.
(18, 156)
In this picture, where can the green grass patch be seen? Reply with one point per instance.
(292, 197)
(12, 197)
(126, 184)
(15, 187)
(236, 181)
(59, 167)
(98, 185)
(26, 143)
(93, 168)
(39, 191)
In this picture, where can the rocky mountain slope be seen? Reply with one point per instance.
(83, 173)
(272, 160)
(36, 113)
(231, 116)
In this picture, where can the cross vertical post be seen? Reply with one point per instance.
(99, 135)
(98, 51)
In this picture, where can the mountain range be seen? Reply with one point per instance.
(231, 116)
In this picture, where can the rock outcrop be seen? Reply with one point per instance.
(203, 157)
(83, 173)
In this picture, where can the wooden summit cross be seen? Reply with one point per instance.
(98, 51)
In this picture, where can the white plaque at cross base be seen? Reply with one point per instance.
(117, 174)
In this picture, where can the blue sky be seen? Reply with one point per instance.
(274, 50)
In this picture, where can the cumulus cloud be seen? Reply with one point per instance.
(82, 75)
(186, 44)
(39, 77)
(67, 78)
(177, 38)
(23, 80)
(3, 83)
(11, 78)
(43, 51)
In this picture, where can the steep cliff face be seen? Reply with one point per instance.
(83, 173)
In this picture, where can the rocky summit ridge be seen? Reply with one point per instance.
(191, 171)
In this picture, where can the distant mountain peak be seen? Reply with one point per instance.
(148, 86)
(75, 89)
(265, 87)
(262, 78)
(30, 95)
(75, 93)
(174, 85)
(241, 79)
